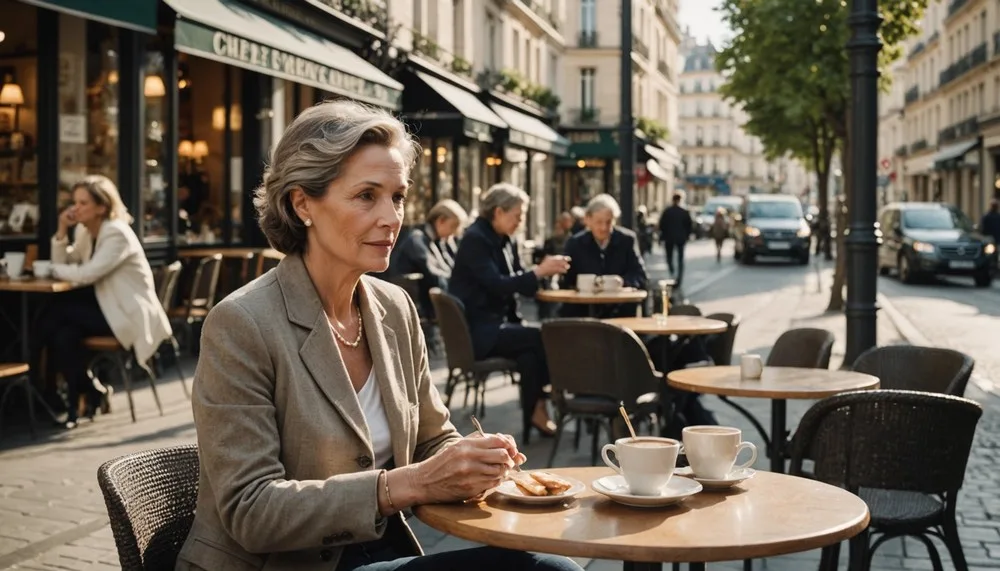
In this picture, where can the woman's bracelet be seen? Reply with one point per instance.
(388, 497)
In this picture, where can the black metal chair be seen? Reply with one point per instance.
(15, 376)
(805, 347)
(685, 309)
(720, 347)
(150, 497)
(594, 366)
(200, 299)
(903, 452)
(461, 359)
(908, 367)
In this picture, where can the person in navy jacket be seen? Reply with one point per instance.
(603, 249)
(487, 278)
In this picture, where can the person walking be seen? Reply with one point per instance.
(675, 228)
(720, 231)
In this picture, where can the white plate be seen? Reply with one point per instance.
(509, 490)
(735, 477)
(779, 246)
(961, 264)
(677, 490)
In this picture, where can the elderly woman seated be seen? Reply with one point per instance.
(603, 249)
(317, 419)
(488, 277)
(425, 251)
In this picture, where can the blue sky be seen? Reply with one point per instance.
(703, 20)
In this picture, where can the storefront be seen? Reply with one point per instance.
(182, 120)
(458, 136)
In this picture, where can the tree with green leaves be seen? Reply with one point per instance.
(788, 68)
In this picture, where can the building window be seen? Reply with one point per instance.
(588, 17)
(432, 21)
(491, 43)
(587, 87)
(458, 13)
(516, 51)
(418, 16)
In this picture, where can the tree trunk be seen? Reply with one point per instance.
(843, 209)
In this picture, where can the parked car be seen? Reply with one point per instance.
(771, 225)
(703, 223)
(931, 238)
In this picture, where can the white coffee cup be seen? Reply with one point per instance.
(586, 283)
(712, 450)
(646, 463)
(42, 269)
(751, 366)
(15, 264)
(611, 283)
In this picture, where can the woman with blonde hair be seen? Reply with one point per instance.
(117, 298)
(318, 422)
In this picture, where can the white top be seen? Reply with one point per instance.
(370, 397)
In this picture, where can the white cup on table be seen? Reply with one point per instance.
(712, 450)
(14, 261)
(646, 462)
(586, 283)
(42, 269)
(751, 367)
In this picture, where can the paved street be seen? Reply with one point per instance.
(52, 514)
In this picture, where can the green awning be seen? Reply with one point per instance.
(135, 14)
(593, 144)
(231, 33)
(529, 132)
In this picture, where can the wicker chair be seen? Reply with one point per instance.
(892, 449)
(720, 347)
(150, 498)
(462, 363)
(927, 369)
(685, 309)
(15, 375)
(806, 347)
(594, 366)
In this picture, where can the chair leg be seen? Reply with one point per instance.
(829, 559)
(932, 551)
(593, 441)
(126, 375)
(859, 555)
(954, 544)
(152, 382)
(449, 387)
(579, 430)
(177, 365)
(560, 425)
(482, 396)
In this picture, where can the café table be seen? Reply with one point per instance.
(768, 515)
(778, 384)
(25, 287)
(593, 299)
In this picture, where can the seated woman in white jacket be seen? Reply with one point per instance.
(119, 298)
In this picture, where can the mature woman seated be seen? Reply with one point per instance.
(603, 249)
(487, 278)
(118, 297)
(425, 251)
(317, 419)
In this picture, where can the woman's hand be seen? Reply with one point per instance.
(66, 219)
(552, 265)
(459, 472)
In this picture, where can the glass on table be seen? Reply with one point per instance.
(666, 288)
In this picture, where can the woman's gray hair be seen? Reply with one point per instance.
(447, 208)
(504, 196)
(603, 202)
(311, 154)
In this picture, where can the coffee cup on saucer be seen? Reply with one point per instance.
(587, 283)
(712, 450)
(41, 269)
(647, 463)
(612, 283)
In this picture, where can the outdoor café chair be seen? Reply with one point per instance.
(109, 351)
(904, 453)
(908, 367)
(15, 376)
(685, 309)
(200, 299)
(150, 497)
(805, 347)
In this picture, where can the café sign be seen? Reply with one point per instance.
(200, 40)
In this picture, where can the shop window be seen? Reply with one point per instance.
(209, 153)
(445, 159)
(420, 194)
(155, 208)
(468, 187)
(19, 193)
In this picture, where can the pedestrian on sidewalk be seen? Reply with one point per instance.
(675, 229)
(720, 231)
(317, 419)
(990, 224)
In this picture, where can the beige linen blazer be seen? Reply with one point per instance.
(286, 459)
(123, 283)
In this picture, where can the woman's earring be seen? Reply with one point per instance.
(309, 222)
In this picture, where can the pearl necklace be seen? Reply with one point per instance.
(345, 342)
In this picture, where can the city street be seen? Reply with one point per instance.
(52, 515)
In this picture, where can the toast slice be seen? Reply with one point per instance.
(554, 484)
(528, 485)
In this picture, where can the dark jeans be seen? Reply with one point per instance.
(70, 318)
(677, 247)
(524, 345)
(377, 557)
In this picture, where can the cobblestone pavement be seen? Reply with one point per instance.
(52, 515)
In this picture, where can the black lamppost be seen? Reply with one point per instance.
(862, 245)
(626, 138)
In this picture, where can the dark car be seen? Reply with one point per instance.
(930, 238)
(771, 225)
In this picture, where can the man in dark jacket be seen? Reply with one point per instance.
(990, 224)
(675, 228)
(603, 249)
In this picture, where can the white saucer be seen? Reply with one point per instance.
(675, 491)
(735, 477)
(509, 491)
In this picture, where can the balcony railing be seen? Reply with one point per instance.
(901, 151)
(639, 47)
(958, 130)
(976, 57)
(587, 39)
(371, 12)
(912, 94)
(544, 14)
(918, 146)
(585, 116)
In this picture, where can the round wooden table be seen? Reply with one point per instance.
(674, 325)
(778, 384)
(768, 515)
(624, 295)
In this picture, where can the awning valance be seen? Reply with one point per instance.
(229, 32)
(953, 153)
(657, 170)
(529, 132)
(660, 155)
(135, 14)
